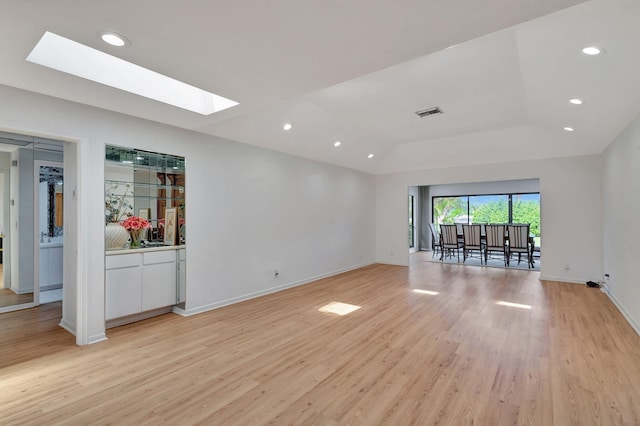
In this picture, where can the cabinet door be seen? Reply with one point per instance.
(44, 267)
(123, 292)
(159, 285)
(55, 265)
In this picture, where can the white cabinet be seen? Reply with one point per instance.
(55, 265)
(140, 281)
(123, 281)
(158, 279)
(50, 267)
(124, 292)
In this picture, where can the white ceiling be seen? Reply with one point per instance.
(357, 71)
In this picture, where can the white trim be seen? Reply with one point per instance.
(82, 240)
(68, 326)
(233, 300)
(100, 337)
(392, 263)
(12, 308)
(563, 279)
(623, 311)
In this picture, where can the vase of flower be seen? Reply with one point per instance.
(137, 235)
(115, 236)
(137, 227)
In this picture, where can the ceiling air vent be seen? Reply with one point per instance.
(429, 111)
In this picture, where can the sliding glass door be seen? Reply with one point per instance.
(497, 208)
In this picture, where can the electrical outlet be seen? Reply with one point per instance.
(276, 273)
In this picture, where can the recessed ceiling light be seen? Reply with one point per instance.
(591, 50)
(114, 39)
(287, 126)
(62, 54)
(576, 101)
(370, 156)
(337, 143)
(569, 129)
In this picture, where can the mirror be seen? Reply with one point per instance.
(145, 184)
(50, 202)
(20, 251)
(17, 288)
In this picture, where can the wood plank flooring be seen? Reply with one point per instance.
(9, 298)
(405, 357)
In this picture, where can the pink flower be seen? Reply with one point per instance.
(135, 222)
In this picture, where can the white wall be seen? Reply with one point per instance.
(570, 210)
(621, 202)
(249, 210)
(485, 188)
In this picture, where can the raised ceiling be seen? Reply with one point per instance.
(357, 72)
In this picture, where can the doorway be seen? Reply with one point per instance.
(19, 216)
(49, 215)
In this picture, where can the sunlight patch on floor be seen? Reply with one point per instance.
(429, 292)
(513, 305)
(339, 308)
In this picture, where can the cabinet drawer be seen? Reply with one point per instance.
(123, 260)
(159, 257)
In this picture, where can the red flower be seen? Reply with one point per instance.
(135, 222)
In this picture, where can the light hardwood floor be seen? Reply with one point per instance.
(9, 298)
(404, 357)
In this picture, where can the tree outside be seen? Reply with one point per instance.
(446, 209)
(488, 209)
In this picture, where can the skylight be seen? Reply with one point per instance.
(62, 54)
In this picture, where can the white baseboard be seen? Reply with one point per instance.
(67, 326)
(634, 324)
(563, 279)
(100, 337)
(391, 263)
(222, 303)
(22, 291)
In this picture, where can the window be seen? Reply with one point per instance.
(498, 208)
(489, 209)
(450, 210)
(526, 209)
